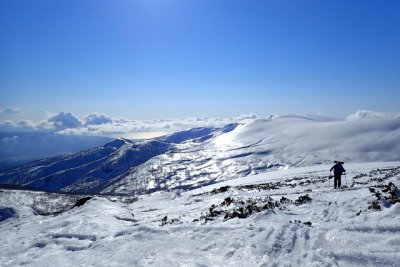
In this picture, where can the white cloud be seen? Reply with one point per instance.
(11, 111)
(96, 119)
(9, 123)
(113, 126)
(26, 124)
(21, 125)
(369, 114)
(247, 116)
(64, 120)
(102, 125)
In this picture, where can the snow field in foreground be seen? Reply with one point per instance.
(335, 228)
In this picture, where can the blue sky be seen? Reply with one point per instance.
(165, 59)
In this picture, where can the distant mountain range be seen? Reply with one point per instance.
(17, 148)
(202, 156)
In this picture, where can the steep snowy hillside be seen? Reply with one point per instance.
(281, 218)
(203, 156)
(87, 171)
(259, 145)
(94, 169)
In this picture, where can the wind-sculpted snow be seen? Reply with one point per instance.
(280, 218)
(259, 145)
(203, 156)
(182, 136)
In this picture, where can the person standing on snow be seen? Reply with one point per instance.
(338, 170)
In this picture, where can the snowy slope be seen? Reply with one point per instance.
(203, 156)
(260, 145)
(87, 171)
(280, 218)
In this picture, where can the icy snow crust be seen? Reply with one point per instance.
(329, 228)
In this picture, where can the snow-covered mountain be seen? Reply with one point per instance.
(94, 169)
(203, 156)
(288, 217)
(87, 171)
(260, 196)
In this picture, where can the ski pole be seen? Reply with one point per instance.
(345, 177)
(329, 179)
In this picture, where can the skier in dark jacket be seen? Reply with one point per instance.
(338, 170)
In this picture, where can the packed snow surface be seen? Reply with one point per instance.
(287, 217)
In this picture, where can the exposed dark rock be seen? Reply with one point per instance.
(220, 190)
(81, 201)
(303, 199)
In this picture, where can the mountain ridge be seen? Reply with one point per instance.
(202, 156)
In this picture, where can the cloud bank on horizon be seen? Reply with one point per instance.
(98, 124)
(104, 125)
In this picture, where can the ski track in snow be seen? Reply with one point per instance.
(105, 233)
